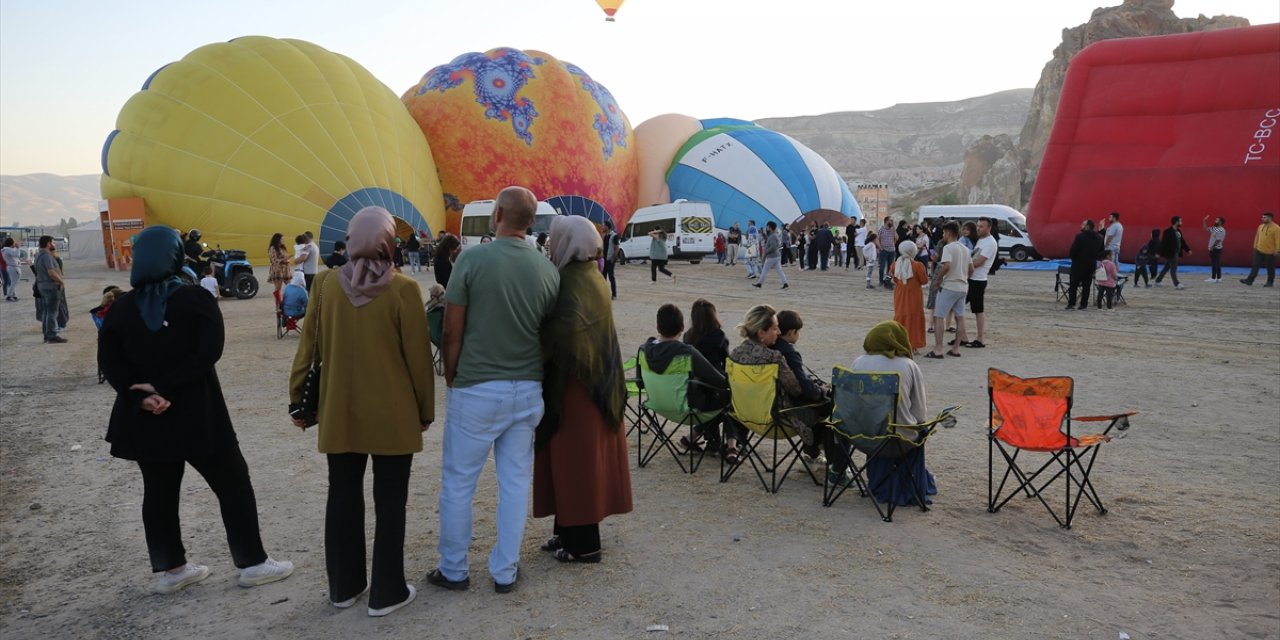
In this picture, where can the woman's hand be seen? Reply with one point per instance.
(155, 404)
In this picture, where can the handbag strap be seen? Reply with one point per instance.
(314, 312)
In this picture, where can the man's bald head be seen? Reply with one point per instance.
(517, 206)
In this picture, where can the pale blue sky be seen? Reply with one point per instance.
(66, 67)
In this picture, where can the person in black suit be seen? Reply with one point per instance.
(158, 347)
(1084, 253)
(1172, 247)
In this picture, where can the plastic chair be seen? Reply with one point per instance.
(865, 415)
(667, 410)
(1034, 414)
(435, 323)
(755, 406)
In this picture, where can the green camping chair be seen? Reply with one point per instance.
(754, 388)
(435, 322)
(633, 409)
(666, 409)
(865, 417)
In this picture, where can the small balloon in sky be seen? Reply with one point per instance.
(610, 8)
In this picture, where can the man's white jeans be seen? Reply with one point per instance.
(501, 415)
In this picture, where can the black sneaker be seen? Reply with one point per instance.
(55, 340)
(438, 579)
(506, 588)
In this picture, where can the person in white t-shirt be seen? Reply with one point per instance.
(956, 266)
(311, 264)
(1114, 235)
(209, 283)
(984, 255)
(859, 240)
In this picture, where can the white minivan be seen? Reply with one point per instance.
(1011, 225)
(690, 228)
(477, 215)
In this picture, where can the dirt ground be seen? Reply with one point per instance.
(1190, 547)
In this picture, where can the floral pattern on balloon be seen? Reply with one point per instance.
(608, 123)
(577, 141)
(498, 77)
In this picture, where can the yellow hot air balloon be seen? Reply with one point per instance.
(258, 135)
(610, 7)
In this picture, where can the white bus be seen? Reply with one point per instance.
(1011, 225)
(690, 228)
(477, 215)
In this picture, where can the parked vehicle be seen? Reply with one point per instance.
(1011, 225)
(233, 272)
(476, 216)
(690, 228)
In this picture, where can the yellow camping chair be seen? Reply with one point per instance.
(754, 405)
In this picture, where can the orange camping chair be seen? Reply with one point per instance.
(1034, 414)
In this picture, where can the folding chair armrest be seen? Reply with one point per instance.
(1120, 420)
(812, 405)
(694, 382)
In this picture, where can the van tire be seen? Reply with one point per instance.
(698, 261)
(1019, 254)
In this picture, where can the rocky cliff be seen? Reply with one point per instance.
(997, 170)
(909, 146)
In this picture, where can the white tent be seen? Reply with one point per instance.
(86, 243)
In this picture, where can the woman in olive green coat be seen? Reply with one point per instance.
(368, 327)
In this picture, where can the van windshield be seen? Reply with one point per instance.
(1019, 223)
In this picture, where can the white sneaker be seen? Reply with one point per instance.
(1178, 286)
(378, 613)
(188, 574)
(1210, 280)
(267, 572)
(347, 604)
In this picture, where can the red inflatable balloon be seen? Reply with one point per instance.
(1185, 125)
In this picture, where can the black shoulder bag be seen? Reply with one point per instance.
(309, 404)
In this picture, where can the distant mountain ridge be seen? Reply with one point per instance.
(42, 199)
(911, 146)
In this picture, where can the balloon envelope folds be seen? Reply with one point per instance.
(259, 135)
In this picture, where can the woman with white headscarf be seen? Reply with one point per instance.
(368, 330)
(909, 277)
(294, 299)
(580, 469)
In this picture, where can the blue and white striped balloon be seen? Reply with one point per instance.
(747, 173)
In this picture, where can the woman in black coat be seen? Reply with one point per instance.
(157, 348)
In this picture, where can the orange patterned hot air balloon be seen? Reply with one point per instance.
(610, 7)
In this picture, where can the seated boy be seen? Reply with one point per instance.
(660, 351)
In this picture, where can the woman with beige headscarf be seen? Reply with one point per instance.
(367, 326)
(580, 469)
(909, 278)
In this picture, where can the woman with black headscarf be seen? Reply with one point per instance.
(158, 347)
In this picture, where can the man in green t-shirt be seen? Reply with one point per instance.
(498, 297)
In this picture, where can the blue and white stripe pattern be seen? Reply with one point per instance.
(750, 173)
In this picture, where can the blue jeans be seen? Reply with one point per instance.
(498, 415)
(415, 261)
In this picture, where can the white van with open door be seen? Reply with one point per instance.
(1011, 225)
(690, 228)
(477, 215)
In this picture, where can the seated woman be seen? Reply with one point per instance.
(816, 394)
(661, 351)
(759, 330)
(706, 335)
(888, 349)
(295, 298)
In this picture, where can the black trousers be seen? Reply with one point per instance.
(1215, 263)
(811, 261)
(608, 275)
(1140, 273)
(824, 254)
(579, 540)
(228, 477)
(655, 266)
(1082, 280)
(309, 277)
(344, 546)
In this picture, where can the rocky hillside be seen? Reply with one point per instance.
(1003, 169)
(909, 146)
(40, 199)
